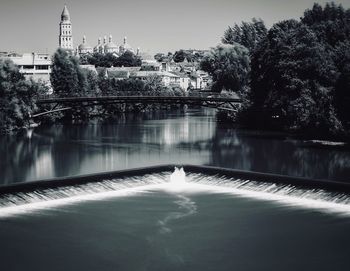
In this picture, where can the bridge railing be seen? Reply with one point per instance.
(139, 93)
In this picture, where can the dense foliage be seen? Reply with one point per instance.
(180, 56)
(300, 73)
(298, 78)
(248, 34)
(229, 64)
(163, 57)
(229, 67)
(291, 82)
(153, 86)
(128, 59)
(67, 78)
(17, 97)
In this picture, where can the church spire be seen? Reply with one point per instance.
(65, 14)
(66, 33)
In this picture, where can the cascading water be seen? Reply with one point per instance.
(186, 206)
(180, 184)
(24, 202)
(178, 176)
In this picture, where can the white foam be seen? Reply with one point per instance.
(179, 184)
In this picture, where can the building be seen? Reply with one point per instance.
(168, 78)
(184, 80)
(117, 74)
(33, 65)
(84, 48)
(111, 47)
(66, 33)
(151, 65)
(99, 47)
(125, 47)
(66, 40)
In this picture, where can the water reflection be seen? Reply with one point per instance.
(241, 149)
(136, 140)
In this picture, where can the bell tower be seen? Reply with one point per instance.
(66, 36)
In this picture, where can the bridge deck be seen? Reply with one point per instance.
(140, 99)
(222, 103)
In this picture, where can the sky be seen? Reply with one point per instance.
(153, 25)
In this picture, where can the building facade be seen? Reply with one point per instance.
(33, 65)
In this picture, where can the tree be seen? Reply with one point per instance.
(17, 97)
(331, 24)
(67, 78)
(98, 59)
(342, 86)
(179, 56)
(248, 34)
(229, 66)
(154, 84)
(159, 57)
(92, 81)
(128, 59)
(290, 80)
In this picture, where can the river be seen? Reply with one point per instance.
(194, 136)
(170, 221)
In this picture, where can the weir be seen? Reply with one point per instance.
(305, 193)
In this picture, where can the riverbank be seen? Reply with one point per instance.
(320, 139)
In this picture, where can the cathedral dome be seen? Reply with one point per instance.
(99, 47)
(125, 47)
(111, 47)
(84, 47)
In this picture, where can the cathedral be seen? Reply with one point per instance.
(66, 41)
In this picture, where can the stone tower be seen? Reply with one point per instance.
(66, 36)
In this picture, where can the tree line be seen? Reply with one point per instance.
(180, 56)
(69, 79)
(294, 76)
(17, 97)
(127, 59)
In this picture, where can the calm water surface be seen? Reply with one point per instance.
(159, 231)
(194, 137)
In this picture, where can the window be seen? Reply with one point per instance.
(42, 67)
(28, 67)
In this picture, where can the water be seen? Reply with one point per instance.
(164, 221)
(193, 137)
(176, 183)
(178, 222)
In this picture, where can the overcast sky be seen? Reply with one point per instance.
(153, 25)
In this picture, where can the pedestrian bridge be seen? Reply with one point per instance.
(67, 103)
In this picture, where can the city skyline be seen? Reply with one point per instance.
(155, 26)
